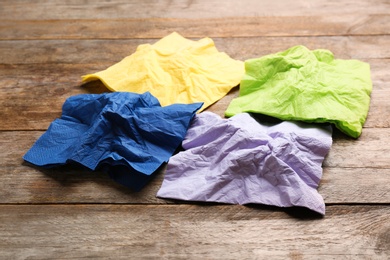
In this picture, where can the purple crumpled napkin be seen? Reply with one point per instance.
(240, 161)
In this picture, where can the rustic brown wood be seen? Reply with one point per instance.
(328, 25)
(192, 232)
(345, 152)
(74, 9)
(112, 51)
(26, 184)
(348, 175)
(67, 212)
(52, 84)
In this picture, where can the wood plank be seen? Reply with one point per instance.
(191, 232)
(34, 101)
(74, 9)
(112, 51)
(22, 111)
(46, 45)
(366, 185)
(329, 25)
(345, 151)
(22, 85)
(26, 184)
(350, 176)
(22, 182)
(367, 151)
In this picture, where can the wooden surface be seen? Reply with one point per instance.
(67, 213)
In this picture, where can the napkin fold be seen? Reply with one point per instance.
(241, 161)
(175, 70)
(128, 135)
(312, 86)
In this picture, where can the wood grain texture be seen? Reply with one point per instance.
(25, 184)
(191, 232)
(345, 151)
(327, 25)
(203, 9)
(122, 20)
(109, 51)
(348, 175)
(70, 213)
(23, 84)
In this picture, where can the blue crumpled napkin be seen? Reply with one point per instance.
(126, 134)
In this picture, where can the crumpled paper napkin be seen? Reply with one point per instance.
(175, 70)
(128, 135)
(241, 161)
(312, 86)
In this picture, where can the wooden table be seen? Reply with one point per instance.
(45, 46)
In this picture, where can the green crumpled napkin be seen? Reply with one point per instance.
(311, 86)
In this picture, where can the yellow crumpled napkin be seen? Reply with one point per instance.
(175, 70)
